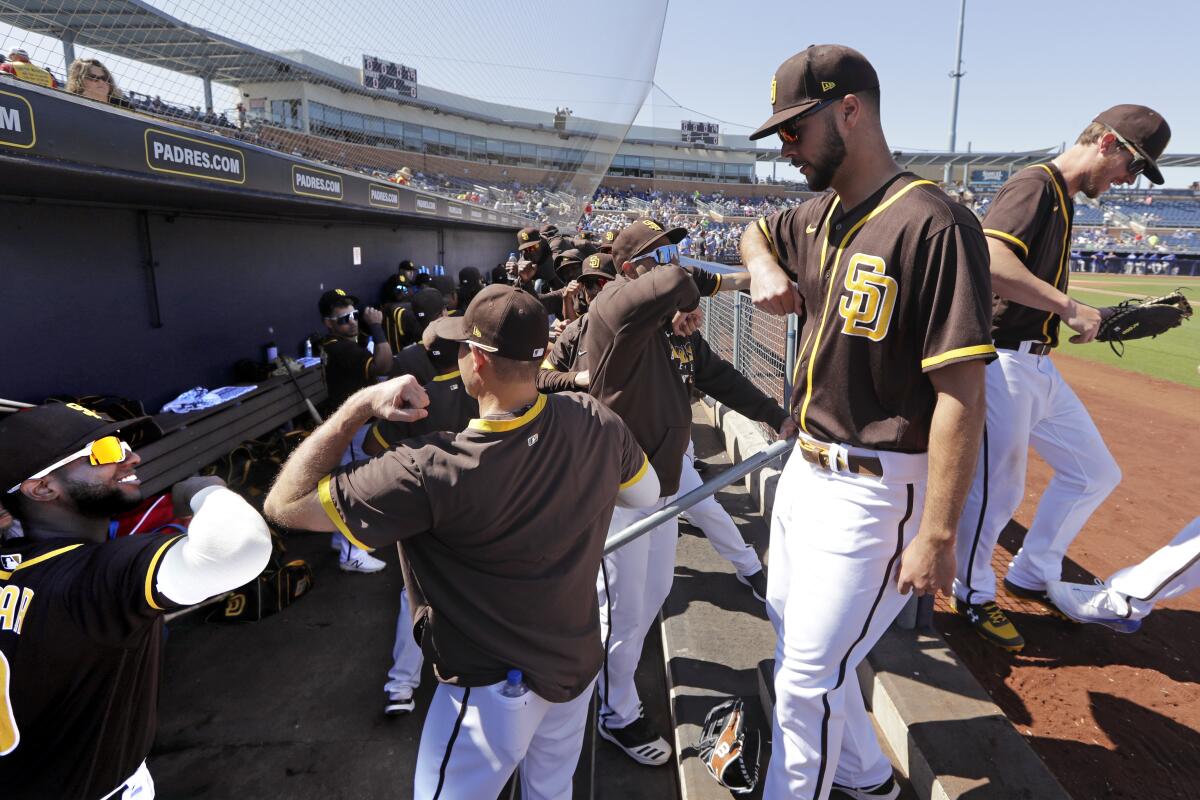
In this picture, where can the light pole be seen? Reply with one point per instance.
(957, 76)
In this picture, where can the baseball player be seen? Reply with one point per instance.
(350, 366)
(502, 527)
(1028, 227)
(1130, 594)
(450, 408)
(890, 278)
(81, 617)
(627, 356)
(696, 364)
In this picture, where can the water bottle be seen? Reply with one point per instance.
(272, 352)
(514, 686)
(308, 347)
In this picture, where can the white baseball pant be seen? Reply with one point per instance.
(1028, 402)
(632, 585)
(1168, 572)
(836, 540)
(405, 675)
(475, 737)
(715, 522)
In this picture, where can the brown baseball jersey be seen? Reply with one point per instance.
(717, 378)
(450, 409)
(629, 360)
(708, 283)
(413, 360)
(502, 528)
(400, 325)
(893, 288)
(558, 368)
(80, 656)
(347, 368)
(1032, 215)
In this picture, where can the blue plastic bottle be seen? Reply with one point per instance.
(515, 685)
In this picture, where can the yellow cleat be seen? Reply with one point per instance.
(990, 622)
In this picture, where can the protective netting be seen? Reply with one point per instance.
(755, 342)
(488, 102)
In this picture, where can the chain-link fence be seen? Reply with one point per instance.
(761, 346)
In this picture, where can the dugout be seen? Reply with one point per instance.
(143, 258)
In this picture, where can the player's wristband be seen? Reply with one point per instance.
(377, 334)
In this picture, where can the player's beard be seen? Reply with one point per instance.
(825, 167)
(101, 502)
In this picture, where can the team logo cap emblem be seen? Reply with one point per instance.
(82, 410)
(652, 225)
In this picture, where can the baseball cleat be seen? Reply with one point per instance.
(398, 704)
(1038, 596)
(888, 790)
(362, 563)
(1096, 603)
(639, 742)
(757, 583)
(990, 622)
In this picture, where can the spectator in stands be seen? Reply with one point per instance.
(82, 669)
(90, 78)
(349, 367)
(19, 66)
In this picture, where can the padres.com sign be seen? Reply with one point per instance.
(196, 158)
(16, 121)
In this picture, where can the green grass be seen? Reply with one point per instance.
(1173, 356)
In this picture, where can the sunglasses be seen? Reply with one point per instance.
(667, 254)
(1136, 163)
(108, 450)
(345, 319)
(97, 78)
(789, 132)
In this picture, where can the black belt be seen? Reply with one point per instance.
(818, 454)
(1035, 348)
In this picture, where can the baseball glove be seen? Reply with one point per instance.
(728, 750)
(1141, 319)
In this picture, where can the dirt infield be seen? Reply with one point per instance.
(1114, 716)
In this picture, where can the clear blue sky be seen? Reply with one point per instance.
(1036, 72)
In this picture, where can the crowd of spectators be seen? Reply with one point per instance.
(714, 220)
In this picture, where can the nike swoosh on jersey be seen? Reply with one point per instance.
(811, 229)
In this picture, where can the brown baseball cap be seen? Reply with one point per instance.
(528, 237)
(567, 264)
(599, 265)
(819, 72)
(504, 320)
(643, 235)
(1145, 130)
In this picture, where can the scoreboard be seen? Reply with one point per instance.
(389, 77)
(699, 132)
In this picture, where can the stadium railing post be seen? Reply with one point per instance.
(737, 331)
(789, 358)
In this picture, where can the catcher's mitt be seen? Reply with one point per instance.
(1141, 319)
(728, 750)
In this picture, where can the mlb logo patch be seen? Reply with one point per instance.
(10, 562)
(532, 440)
